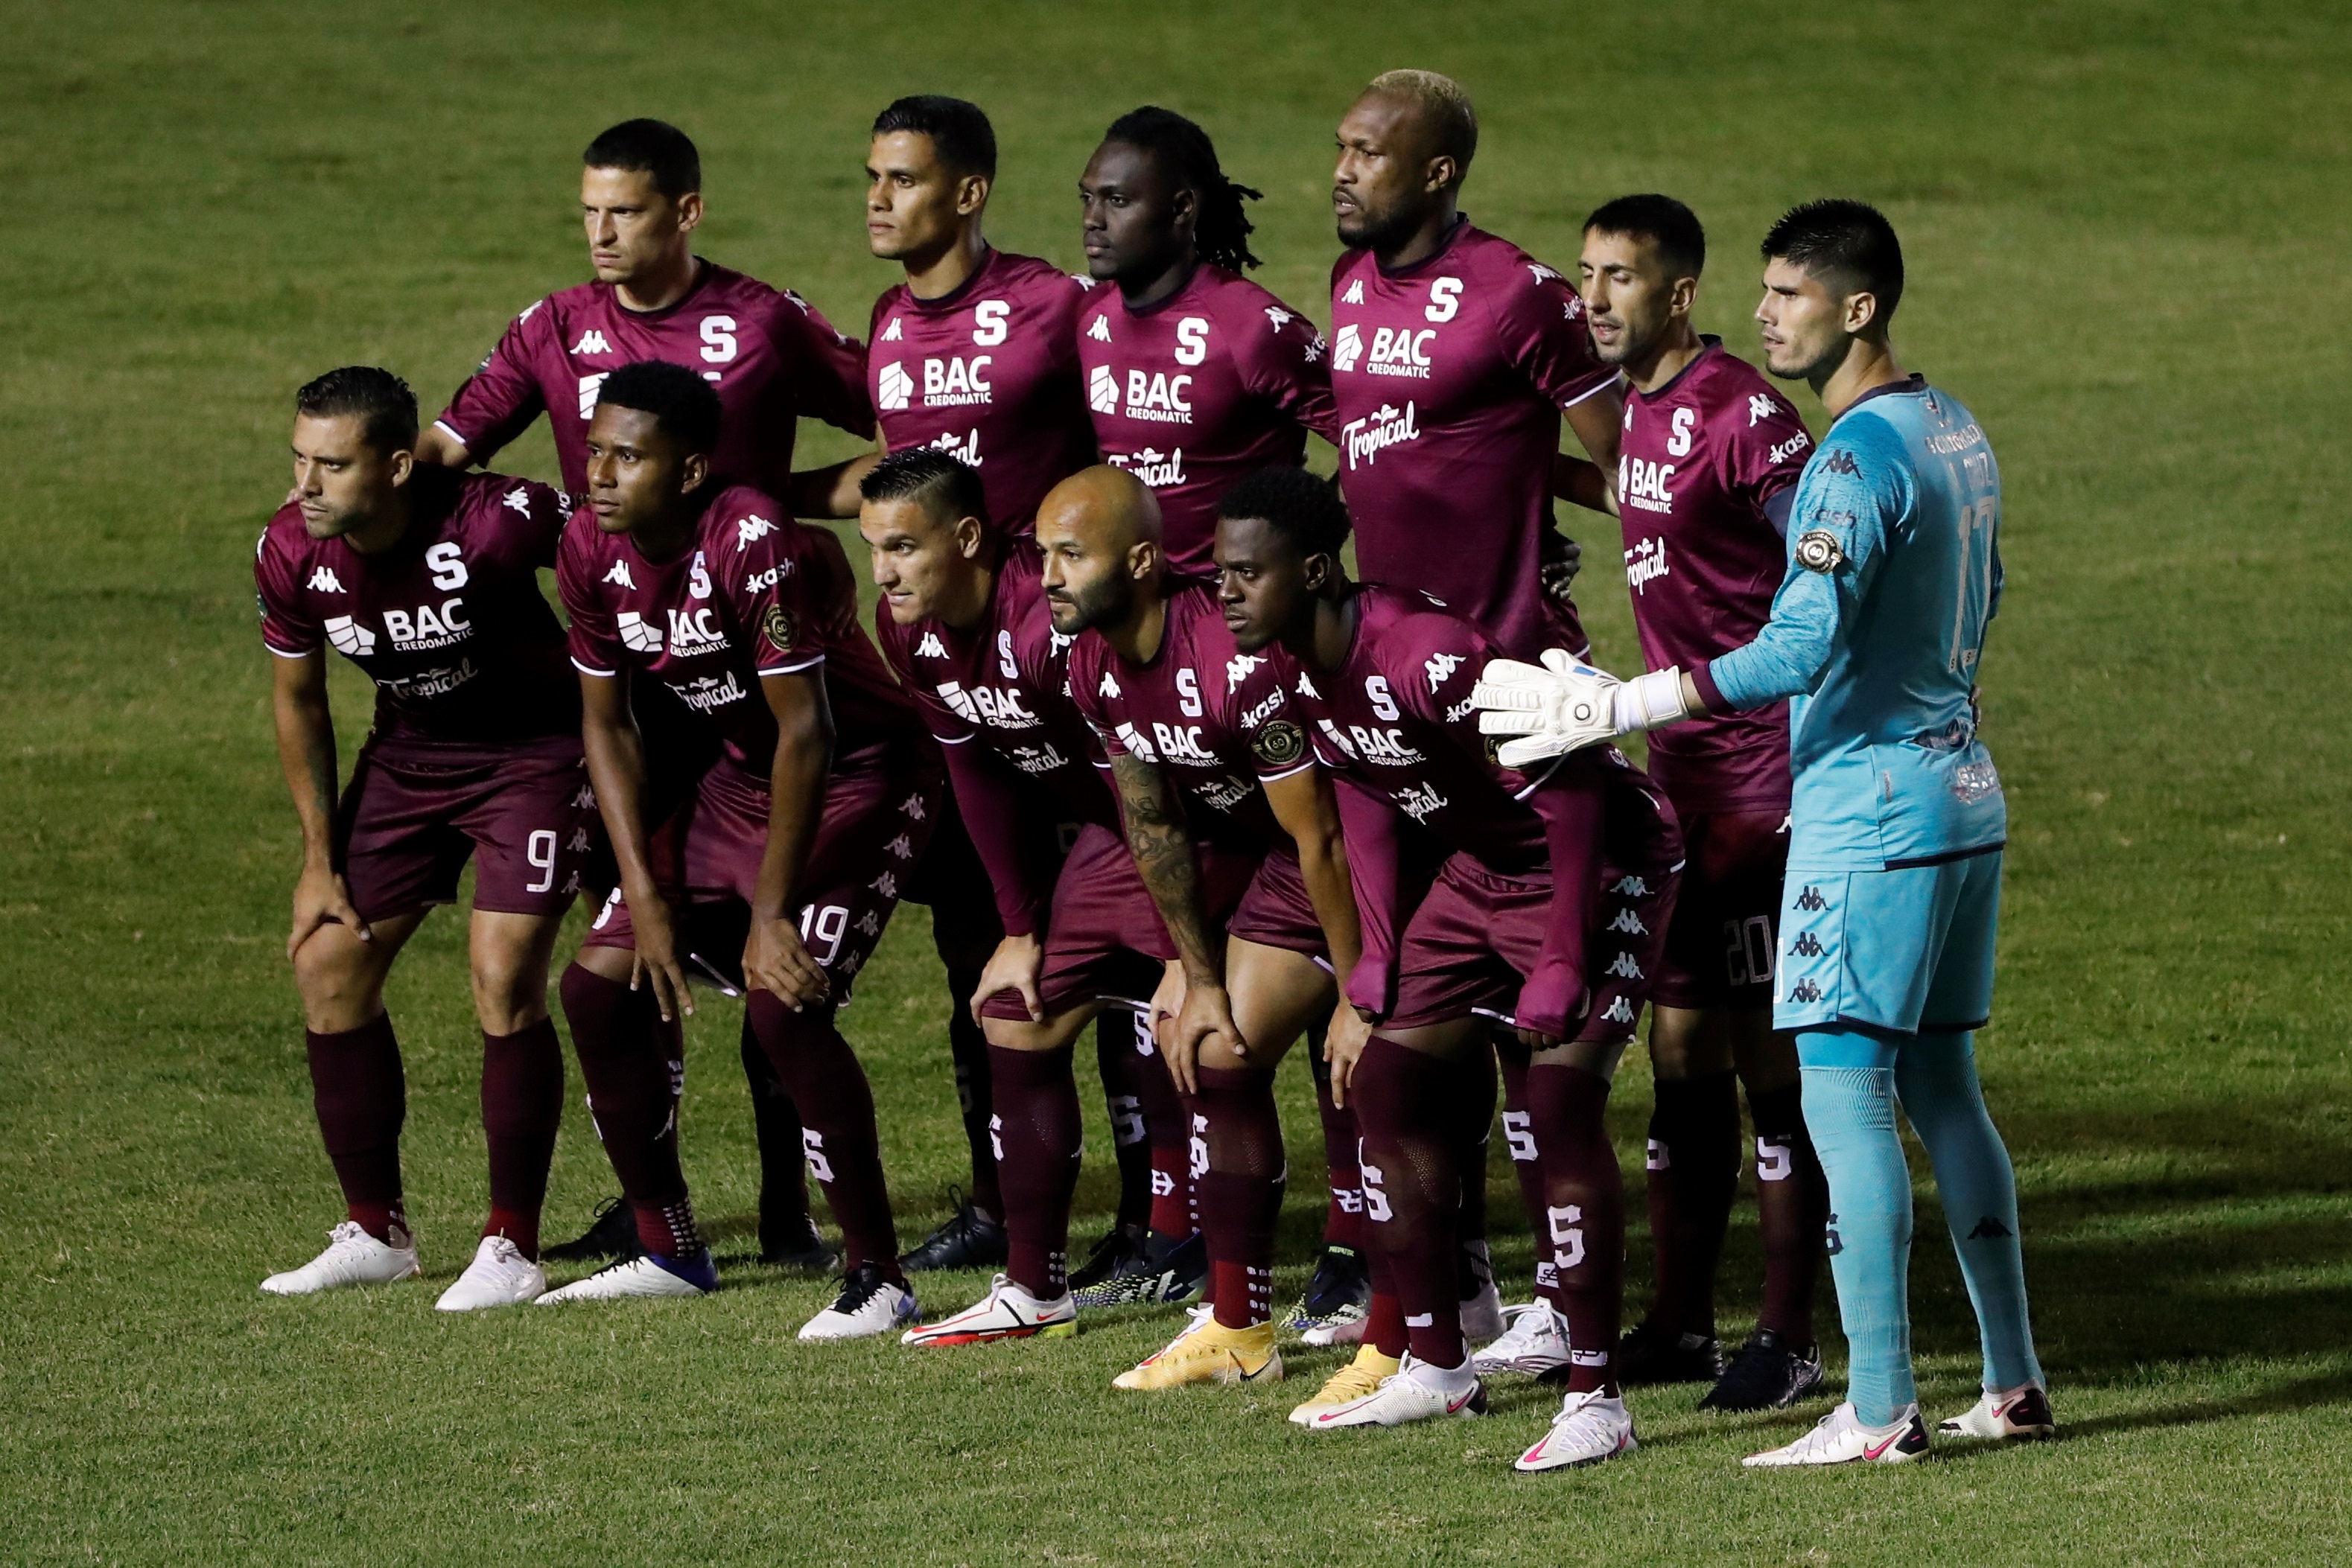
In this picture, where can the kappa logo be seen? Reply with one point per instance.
(592, 341)
(324, 580)
(1631, 887)
(589, 387)
(930, 647)
(1440, 668)
(1347, 343)
(894, 388)
(517, 498)
(1806, 946)
(912, 807)
(886, 884)
(1810, 901)
(893, 333)
(1110, 687)
(870, 924)
(1100, 330)
(1624, 969)
(1988, 1229)
(620, 574)
(1619, 1010)
(1102, 388)
(350, 637)
(1355, 295)
(1629, 922)
(637, 635)
(901, 847)
(1838, 460)
(1418, 801)
(1760, 407)
(1307, 687)
(1543, 273)
(1238, 668)
(1806, 991)
(1280, 318)
(752, 527)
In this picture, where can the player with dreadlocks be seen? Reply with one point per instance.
(1196, 376)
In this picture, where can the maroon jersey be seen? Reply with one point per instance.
(448, 623)
(1449, 376)
(988, 373)
(753, 593)
(768, 352)
(1216, 718)
(1189, 395)
(1701, 457)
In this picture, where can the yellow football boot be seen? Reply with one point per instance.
(1361, 1377)
(1208, 1351)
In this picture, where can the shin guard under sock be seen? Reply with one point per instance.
(1240, 1193)
(838, 1136)
(1122, 1083)
(1850, 1112)
(1693, 1175)
(1413, 1190)
(635, 1066)
(776, 1122)
(1343, 1216)
(1526, 1165)
(1935, 1075)
(1584, 1216)
(975, 1098)
(1792, 1211)
(1036, 1132)
(522, 1106)
(1170, 1128)
(361, 1094)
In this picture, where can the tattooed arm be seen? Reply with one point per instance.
(1161, 843)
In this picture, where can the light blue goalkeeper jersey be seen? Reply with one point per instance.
(1894, 572)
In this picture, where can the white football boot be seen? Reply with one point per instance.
(1482, 1309)
(1841, 1438)
(1589, 1428)
(647, 1275)
(868, 1305)
(1535, 1342)
(352, 1258)
(1417, 1392)
(1007, 1312)
(500, 1276)
(2020, 1415)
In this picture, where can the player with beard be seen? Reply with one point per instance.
(1194, 374)
(1202, 753)
(963, 622)
(1547, 918)
(1708, 465)
(825, 794)
(428, 583)
(1455, 355)
(975, 354)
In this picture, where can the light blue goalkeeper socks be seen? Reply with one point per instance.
(1935, 1075)
(1850, 1112)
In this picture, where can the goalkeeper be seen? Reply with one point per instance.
(1896, 824)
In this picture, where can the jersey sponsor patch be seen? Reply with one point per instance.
(1818, 550)
(778, 627)
(1279, 744)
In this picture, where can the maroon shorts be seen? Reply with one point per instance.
(876, 826)
(1275, 912)
(1720, 948)
(1475, 937)
(416, 812)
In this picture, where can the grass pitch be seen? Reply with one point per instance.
(2126, 224)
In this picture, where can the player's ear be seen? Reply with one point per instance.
(1184, 210)
(1684, 297)
(1861, 315)
(1142, 559)
(690, 211)
(1442, 172)
(693, 471)
(972, 194)
(404, 463)
(969, 536)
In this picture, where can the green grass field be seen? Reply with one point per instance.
(2126, 223)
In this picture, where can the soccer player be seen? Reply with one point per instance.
(964, 622)
(771, 357)
(1897, 822)
(1194, 374)
(1546, 917)
(427, 582)
(1705, 472)
(825, 794)
(976, 354)
(1203, 753)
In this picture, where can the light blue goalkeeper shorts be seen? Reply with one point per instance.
(1906, 950)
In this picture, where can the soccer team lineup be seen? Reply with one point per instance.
(1193, 751)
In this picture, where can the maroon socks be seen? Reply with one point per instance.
(837, 1108)
(1413, 1190)
(362, 1097)
(1694, 1173)
(1240, 1193)
(1168, 1126)
(1122, 1082)
(968, 1047)
(776, 1122)
(522, 1105)
(635, 1066)
(1037, 1134)
(1584, 1216)
(1343, 1216)
(1519, 1140)
(1792, 1209)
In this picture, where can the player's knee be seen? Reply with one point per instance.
(339, 980)
(1685, 1042)
(1028, 1034)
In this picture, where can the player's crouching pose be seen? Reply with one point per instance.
(427, 582)
(1893, 894)
(1548, 917)
(823, 798)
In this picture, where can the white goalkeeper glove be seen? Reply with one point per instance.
(1564, 705)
